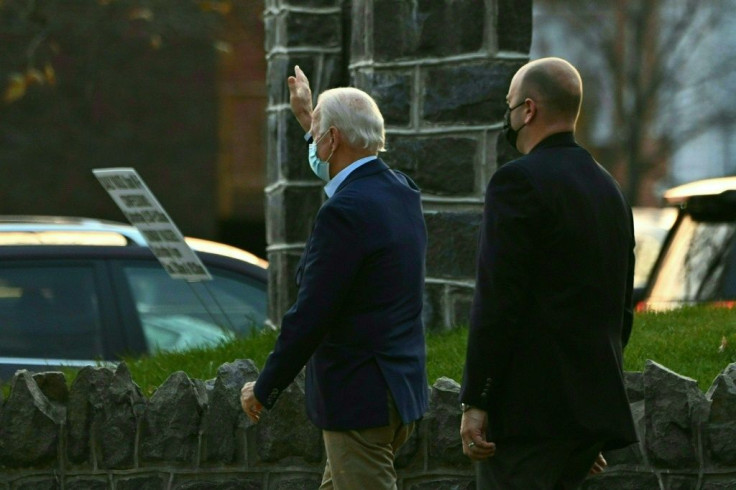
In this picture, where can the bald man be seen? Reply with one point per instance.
(543, 391)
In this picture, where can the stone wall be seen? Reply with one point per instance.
(439, 70)
(102, 433)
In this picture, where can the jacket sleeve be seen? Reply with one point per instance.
(331, 262)
(629, 306)
(511, 213)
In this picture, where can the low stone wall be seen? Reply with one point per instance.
(102, 433)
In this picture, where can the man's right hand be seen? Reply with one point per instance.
(473, 435)
(300, 98)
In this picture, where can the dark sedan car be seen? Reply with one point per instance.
(697, 263)
(75, 291)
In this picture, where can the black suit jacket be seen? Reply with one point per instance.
(552, 308)
(357, 318)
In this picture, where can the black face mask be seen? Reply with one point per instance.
(511, 133)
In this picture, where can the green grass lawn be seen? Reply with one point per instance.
(686, 341)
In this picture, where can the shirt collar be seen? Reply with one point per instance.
(557, 139)
(333, 184)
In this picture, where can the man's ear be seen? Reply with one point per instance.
(530, 110)
(336, 138)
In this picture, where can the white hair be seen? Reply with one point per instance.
(355, 114)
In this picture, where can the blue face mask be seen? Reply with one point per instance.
(320, 168)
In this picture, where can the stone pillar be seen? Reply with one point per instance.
(308, 33)
(440, 70)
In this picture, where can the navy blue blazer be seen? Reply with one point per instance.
(552, 308)
(357, 320)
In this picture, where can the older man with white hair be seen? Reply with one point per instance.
(357, 322)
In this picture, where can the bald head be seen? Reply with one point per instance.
(555, 84)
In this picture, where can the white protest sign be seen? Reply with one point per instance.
(143, 211)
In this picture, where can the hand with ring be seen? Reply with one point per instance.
(473, 433)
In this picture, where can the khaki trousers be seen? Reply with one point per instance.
(364, 459)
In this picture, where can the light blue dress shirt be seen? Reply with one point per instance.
(333, 184)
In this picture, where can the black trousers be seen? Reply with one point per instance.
(537, 465)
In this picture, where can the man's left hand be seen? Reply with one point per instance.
(251, 406)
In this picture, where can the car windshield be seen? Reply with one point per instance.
(699, 265)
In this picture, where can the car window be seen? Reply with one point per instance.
(176, 314)
(49, 312)
(699, 265)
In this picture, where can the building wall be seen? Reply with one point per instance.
(439, 71)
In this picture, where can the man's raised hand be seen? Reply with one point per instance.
(300, 98)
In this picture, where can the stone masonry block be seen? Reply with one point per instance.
(82, 483)
(720, 432)
(443, 421)
(722, 395)
(171, 424)
(104, 407)
(296, 482)
(433, 310)
(253, 483)
(285, 431)
(361, 16)
(450, 483)
(470, 93)
(446, 307)
(273, 170)
(608, 480)
(290, 213)
(674, 407)
(391, 90)
(680, 482)
(282, 287)
(36, 483)
(29, 425)
(270, 32)
(141, 482)
(453, 241)
(440, 165)
(514, 25)
(224, 412)
(427, 28)
(723, 483)
(721, 443)
(310, 29)
(460, 301)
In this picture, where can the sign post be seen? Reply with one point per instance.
(143, 211)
